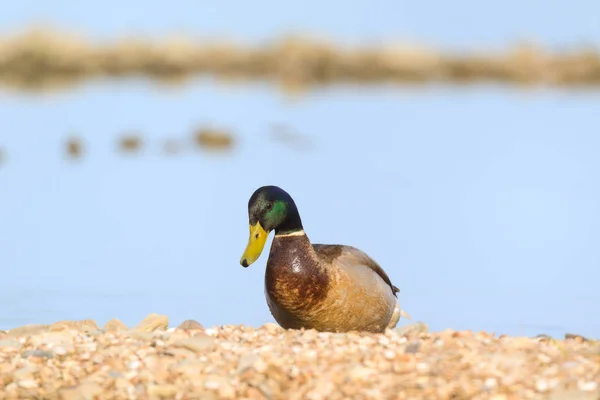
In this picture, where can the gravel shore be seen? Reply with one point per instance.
(74, 360)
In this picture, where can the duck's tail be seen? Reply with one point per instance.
(398, 312)
(404, 314)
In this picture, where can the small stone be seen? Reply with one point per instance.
(197, 344)
(383, 340)
(213, 383)
(84, 325)
(576, 337)
(60, 326)
(461, 334)
(523, 343)
(413, 347)
(9, 344)
(115, 325)
(153, 322)
(247, 362)
(254, 394)
(57, 338)
(190, 324)
(412, 329)
(162, 391)
(541, 385)
(84, 391)
(485, 335)
(272, 328)
(27, 330)
(360, 373)
(12, 387)
(544, 359)
(140, 335)
(97, 359)
(422, 381)
(38, 353)
(260, 365)
(27, 384)
(227, 392)
(25, 373)
(115, 374)
(96, 332)
(389, 354)
(571, 394)
(422, 367)
(588, 386)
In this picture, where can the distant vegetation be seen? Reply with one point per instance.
(42, 59)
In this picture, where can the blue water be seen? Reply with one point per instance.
(482, 203)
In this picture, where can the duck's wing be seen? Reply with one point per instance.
(348, 255)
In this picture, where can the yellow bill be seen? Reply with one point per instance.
(256, 243)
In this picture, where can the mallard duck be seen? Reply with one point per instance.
(329, 288)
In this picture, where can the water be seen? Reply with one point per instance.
(482, 203)
(459, 24)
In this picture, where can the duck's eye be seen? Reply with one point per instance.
(269, 206)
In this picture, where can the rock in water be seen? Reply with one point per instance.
(115, 325)
(189, 325)
(153, 322)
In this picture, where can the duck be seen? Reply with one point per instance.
(325, 287)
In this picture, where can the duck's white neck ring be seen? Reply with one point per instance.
(297, 233)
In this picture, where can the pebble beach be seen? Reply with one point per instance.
(76, 360)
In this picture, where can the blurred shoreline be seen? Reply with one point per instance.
(46, 59)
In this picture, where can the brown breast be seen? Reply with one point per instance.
(295, 283)
(302, 292)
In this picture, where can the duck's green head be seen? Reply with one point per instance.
(269, 208)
